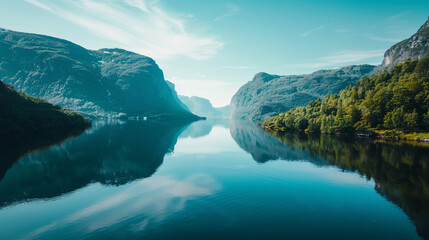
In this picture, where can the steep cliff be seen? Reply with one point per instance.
(415, 47)
(104, 83)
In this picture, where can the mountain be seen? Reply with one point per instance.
(23, 114)
(225, 110)
(268, 95)
(415, 47)
(175, 96)
(203, 107)
(394, 100)
(103, 83)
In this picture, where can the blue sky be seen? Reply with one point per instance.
(211, 48)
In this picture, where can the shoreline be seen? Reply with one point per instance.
(391, 136)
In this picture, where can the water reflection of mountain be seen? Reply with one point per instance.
(264, 147)
(400, 170)
(203, 128)
(14, 148)
(110, 154)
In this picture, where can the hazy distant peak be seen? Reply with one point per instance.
(204, 108)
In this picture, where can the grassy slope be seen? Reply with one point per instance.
(21, 113)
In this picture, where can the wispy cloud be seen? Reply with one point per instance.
(399, 15)
(392, 30)
(353, 56)
(137, 25)
(313, 31)
(40, 5)
(382, 39)
(340, 58)
(231, 10)
(169, 196)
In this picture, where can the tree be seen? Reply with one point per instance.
(398, 99)
(302, 124)
(411, 121)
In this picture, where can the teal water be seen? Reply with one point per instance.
(214, 179)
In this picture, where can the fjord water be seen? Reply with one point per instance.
(214, 179)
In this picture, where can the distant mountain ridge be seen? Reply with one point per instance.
(204, 108)
(268, 95)
(103, 83)
(391, 101)
(415, 47)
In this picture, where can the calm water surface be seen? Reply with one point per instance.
(213, 179)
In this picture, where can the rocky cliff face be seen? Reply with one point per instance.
(104, 83)
(415, 47)
(268, 95)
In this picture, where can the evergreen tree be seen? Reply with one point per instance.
(395, 100)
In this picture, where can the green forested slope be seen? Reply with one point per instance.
(395, 100)
(21, 113)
